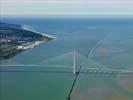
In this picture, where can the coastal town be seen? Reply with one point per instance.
(30, 45)
(14, 39)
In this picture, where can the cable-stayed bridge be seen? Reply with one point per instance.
(71, 63)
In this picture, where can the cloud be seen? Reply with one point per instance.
(66, 7)
(66, 1)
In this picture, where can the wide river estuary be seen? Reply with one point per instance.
(45, 72)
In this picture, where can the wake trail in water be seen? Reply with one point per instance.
(97, 43)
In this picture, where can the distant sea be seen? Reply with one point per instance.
(110, 41)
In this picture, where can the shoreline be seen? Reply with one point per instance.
(25, 27)
(25, 48)
(29, 45)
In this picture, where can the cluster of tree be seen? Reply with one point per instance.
(15, 33)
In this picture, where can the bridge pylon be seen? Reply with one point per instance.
(74, 62)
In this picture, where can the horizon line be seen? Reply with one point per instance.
(67, 16)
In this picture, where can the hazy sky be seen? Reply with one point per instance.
(42, 8)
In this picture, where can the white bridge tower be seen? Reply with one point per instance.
(74, 63)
